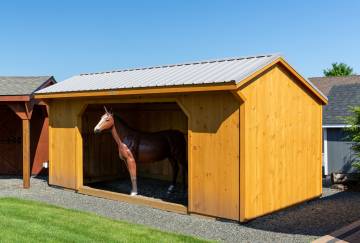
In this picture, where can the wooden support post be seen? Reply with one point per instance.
(26, 152)
(24, 111)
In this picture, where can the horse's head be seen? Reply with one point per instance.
(106, 122)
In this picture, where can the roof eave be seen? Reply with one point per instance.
(225, 86)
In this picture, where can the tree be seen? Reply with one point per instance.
(338, 69)
(353, 132)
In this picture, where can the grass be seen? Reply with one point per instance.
(29, 221)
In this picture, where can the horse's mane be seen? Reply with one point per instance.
(122, 121)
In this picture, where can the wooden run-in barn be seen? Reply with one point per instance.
(253, 128)
(23, 126)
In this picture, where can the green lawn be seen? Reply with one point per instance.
(29, 221)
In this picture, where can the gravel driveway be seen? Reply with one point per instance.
(301, 223)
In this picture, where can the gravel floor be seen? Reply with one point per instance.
(301, 223)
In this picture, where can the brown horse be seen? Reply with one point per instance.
(145, 147)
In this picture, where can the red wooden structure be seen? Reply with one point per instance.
(23, 127)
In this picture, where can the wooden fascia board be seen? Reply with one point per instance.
(280, 60)
(47, 83)
(11, 98)
(141, 91)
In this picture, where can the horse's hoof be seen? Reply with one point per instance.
(133, 193)
(171, 189)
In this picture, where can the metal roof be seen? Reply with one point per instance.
(229, 70)
(19, 85)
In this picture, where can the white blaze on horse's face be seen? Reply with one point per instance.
(105, 122)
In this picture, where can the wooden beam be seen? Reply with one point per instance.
(141, 91)
(26, 152)
(22, 109)
(19, 109)
(12, 98)
(140, 200)
(349, 233)
(29, 107)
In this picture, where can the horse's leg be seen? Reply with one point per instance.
(131, 164)
(126, 155)
(184, 173)
(175, 167)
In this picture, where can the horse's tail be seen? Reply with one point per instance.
(178, 142)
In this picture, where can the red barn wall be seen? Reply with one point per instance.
(39, 137)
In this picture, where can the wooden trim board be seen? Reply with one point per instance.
(349, 233)
(11, 98)
(141, 91)
(140, 200)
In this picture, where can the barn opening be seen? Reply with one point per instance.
(10, 142)
(104, 170)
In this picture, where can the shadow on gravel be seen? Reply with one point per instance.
(317, 217)
(9, 177)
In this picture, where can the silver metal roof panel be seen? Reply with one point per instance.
(195, 73)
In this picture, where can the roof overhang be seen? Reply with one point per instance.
(226, 86)
(141, 91)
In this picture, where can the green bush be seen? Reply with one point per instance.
(353, 133)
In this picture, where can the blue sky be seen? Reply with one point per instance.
(65, 38)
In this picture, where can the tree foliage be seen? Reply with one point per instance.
(339, 69)
(353, 132)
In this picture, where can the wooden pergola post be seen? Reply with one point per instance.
(26, 152)
(24, 111)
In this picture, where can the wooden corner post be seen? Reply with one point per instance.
(26, 152)
(24, 111)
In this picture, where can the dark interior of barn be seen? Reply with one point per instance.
(11, 141)
(102, 167)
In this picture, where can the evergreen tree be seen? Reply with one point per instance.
(338, 69)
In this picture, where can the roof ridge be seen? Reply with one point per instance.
(184, 64)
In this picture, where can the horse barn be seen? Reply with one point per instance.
(23, 127)
(253, 128)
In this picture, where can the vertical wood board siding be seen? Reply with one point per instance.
(214, 172)
(282, 143)
(214, 154)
